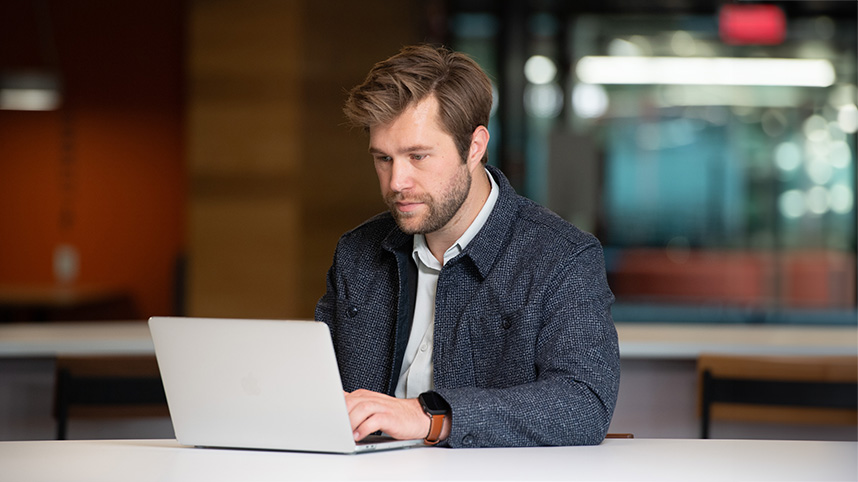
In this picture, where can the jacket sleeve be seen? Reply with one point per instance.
(570, 398)
(326, 306)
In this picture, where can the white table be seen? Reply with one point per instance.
(615, 459)
(637, 340)
(51, 339)
(687, 341)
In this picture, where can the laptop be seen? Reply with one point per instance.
(256, 384)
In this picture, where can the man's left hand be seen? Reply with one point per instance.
(372, 411)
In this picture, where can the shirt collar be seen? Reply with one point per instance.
(420, 251)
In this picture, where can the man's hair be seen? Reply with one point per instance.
(462, 89)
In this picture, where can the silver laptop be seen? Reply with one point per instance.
(257, 384)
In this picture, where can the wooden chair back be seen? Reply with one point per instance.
(796, 389)
(107, 387)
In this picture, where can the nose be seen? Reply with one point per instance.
(400, 175)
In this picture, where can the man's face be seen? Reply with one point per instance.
(423, 179)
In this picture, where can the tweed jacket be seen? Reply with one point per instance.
(525, 349)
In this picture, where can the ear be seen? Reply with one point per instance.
(479, 144)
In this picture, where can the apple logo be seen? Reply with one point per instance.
(250, 385)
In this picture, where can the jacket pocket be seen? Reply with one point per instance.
(503, 348)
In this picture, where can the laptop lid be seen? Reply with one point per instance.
(260, 384)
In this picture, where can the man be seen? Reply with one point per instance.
(467, 314)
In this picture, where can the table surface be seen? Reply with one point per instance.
(637, 340)
(55, 296)
(614, 459)
(688, 341)
(50, 339)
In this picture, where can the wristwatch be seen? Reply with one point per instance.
(437, 409)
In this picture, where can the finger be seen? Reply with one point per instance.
(366, 428)
(361, 408)
(358, 396)
(372, 411)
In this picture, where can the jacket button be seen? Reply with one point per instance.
(352, 312)
(468, 440)
(506, 324)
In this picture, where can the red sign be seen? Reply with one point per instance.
(752, 24)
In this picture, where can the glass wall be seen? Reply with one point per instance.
(711, 150)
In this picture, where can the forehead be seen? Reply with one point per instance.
(418, 122)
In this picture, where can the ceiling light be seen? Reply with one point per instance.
(705, 71)
(29, 91)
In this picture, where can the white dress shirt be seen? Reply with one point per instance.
(416, 374)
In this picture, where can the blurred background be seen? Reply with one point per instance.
(166, 157)
(190, 157)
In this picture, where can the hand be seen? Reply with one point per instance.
(399, 418)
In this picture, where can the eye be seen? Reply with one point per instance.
(418, 157)
(383, 158)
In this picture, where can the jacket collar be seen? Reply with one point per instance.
(485, 248)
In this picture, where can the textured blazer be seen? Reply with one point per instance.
(525, 349)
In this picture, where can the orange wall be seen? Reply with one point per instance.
(113, 155)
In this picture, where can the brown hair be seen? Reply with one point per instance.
(462, 89)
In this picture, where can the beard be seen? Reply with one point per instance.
(438, 213)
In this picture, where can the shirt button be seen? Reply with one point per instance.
(352, 312)
(424, 347)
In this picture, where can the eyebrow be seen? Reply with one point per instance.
(407, 150)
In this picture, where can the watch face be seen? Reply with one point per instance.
(433, 403)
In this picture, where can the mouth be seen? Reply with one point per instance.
(407, 206)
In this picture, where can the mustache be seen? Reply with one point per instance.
(396, 197)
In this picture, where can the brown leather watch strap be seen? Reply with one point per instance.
(436, 424)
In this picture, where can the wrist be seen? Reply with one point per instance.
(438, 411)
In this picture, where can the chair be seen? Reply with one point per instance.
(797, 389)
(107, 387)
